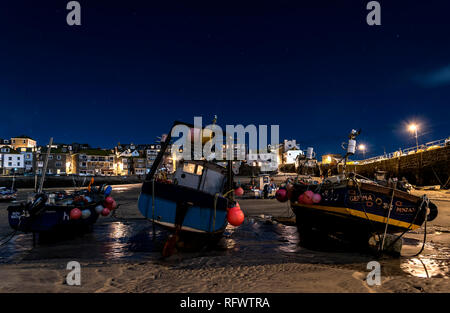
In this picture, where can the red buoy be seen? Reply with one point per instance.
(235, 216)
(307, 197)
(75, 214)
(108, 202)
(301, 199)
(105, 212)
(114, 205)
(239, 191)
(281, 195)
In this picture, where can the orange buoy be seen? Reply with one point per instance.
(235, 216)
(75, 214)
(239, 191)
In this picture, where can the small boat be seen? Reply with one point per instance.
(58, 211)
(49, 212)
(8, 194)
(195, 201)
(356, 208)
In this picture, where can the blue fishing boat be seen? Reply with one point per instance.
(195, 201)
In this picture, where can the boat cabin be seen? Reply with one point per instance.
(201, 175)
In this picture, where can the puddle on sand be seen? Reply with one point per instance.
(255, 242)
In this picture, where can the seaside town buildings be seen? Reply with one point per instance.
(22, 156)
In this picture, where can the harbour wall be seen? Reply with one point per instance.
(430, 167)
(68, 181)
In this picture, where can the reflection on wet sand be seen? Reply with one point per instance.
(258, 242)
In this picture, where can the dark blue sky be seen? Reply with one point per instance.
(313, 67)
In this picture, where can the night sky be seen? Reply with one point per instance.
(313, 67)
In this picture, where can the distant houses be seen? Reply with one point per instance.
(21, 155)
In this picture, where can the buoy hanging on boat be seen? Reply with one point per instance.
(281, 195)
(114, 205)
(308, 197)
(235, 216)
(106, 212)
(317, 198)
(108, 202)
(99, 209)
(75, 214)
(239, 191)
(301, 199)
(108, 190)
(85, 214)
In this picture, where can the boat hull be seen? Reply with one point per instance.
(53, 218)
(201, 215)
(362, 210)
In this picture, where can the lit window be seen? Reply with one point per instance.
(189, 168)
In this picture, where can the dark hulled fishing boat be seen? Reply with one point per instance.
(58, 211)
(46, 213)
(355, 207)
(358, 209)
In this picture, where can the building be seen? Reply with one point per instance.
(139, 165)
(11, 161)
(151, 152)
(5, 142)
(290, 156)
(23, 142)
(94, 162)
(59, 161)
(28, 156)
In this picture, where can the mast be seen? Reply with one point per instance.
(41, 184)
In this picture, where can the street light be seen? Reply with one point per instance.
(362, 147)
(413, 128)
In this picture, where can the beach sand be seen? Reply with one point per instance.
(245, 267)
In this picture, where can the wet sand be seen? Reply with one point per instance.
(123, 255)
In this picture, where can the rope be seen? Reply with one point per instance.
(153, 208)
(216, 196)
(10, 235)
(426, 201)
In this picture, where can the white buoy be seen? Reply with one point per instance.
(85, 214)
(99, 209)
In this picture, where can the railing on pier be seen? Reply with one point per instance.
(402, 152)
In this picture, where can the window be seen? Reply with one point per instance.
(24, 141)
(9, 158)
(189, 168)
(9, 163)
(58, 164)
(58, 157)
(50, 157)
(18, 164)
